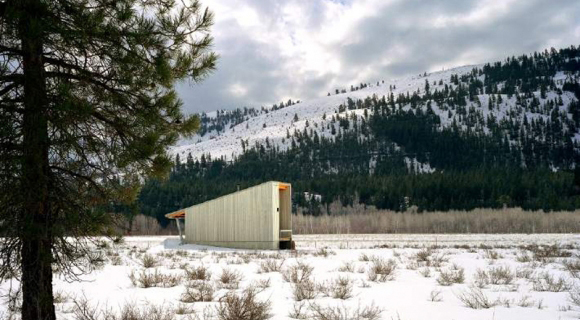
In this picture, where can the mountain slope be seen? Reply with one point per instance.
(278, 125)
(492, 135)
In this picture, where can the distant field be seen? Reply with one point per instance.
(510, 220)
(371, 221)
(431, 276)
(353, 241)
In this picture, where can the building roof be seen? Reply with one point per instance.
(176, 215)
(180, 214)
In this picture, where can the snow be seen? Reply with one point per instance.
(407, 296)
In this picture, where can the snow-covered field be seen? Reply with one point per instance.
(351, 276)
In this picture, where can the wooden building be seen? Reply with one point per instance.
(259, 217)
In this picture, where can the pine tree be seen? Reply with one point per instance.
(189, 162)
(177, 166)
(91, 99)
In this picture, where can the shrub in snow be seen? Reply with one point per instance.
(342, 312)
(243, 306)
(299, 311)
(263, 283)
(323, 252)
(298, 272)
(500, 275)
(149, 261)
(547, 282)
(148, 279)
(525, 302)
(184, 309)
(364, 257)
(523, 257)
(270, 265)
(491, 254)
(381, 270)
(197, 273)
(230, 279)
(573, 266)
(435, 296)
(542, 253)
(200, 291)
(304, 290)
(83, 310)
(474, 298)
(60, 297)
(425, 272)
(339, 288)
(347, 266)
(116, 260)
(481, 278)
(523, 272)
(574, 296)
(455, 274)
(423, 256)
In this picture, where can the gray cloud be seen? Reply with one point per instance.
(274, 50)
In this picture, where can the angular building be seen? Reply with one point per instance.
(259, 217)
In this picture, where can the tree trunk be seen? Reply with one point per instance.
(36, 223)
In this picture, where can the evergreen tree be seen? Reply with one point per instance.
(91, 100)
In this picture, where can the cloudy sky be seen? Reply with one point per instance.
(273, 50)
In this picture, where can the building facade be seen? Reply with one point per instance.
(259, 217)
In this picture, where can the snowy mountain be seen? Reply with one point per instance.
(491, 135)
(320, 115)
(227, 143)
